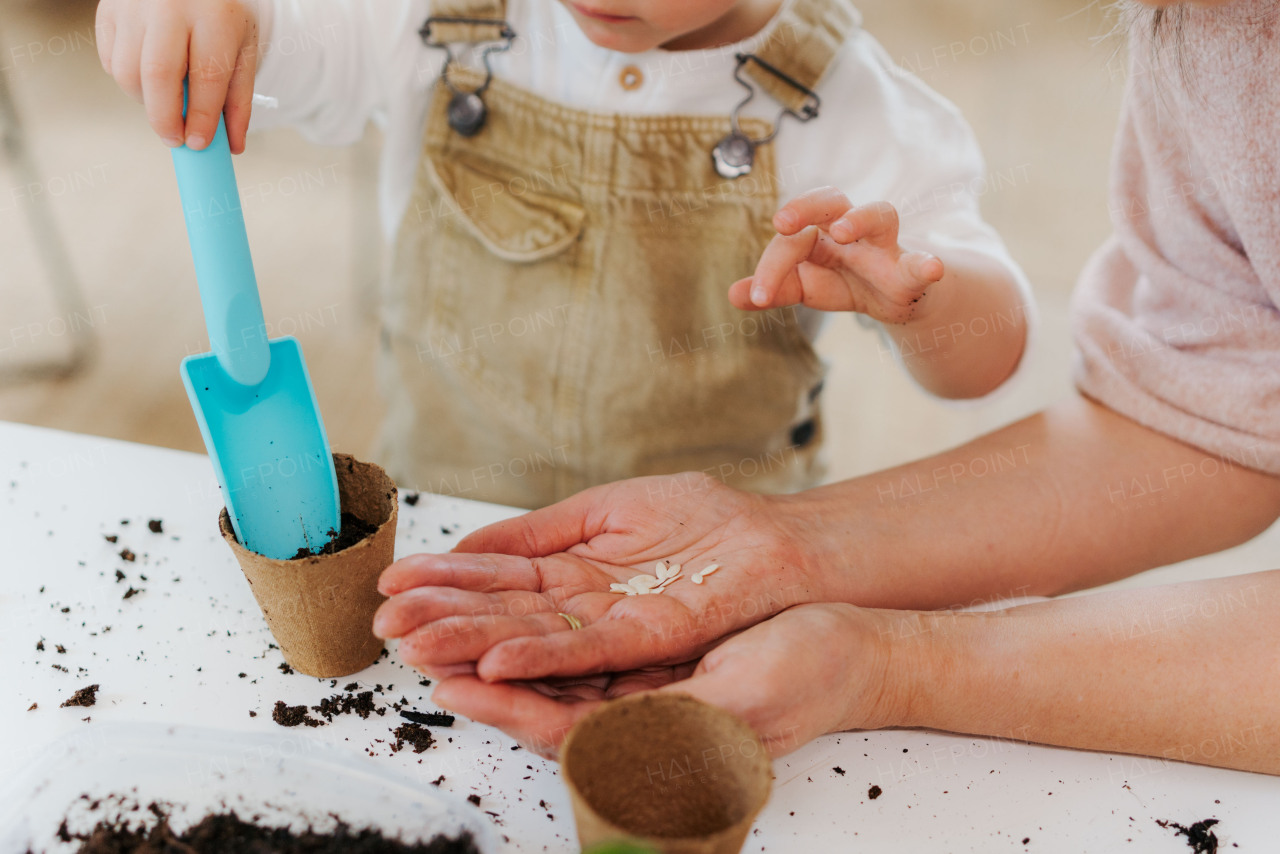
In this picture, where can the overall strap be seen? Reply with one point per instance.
(445, 31)
(801, 44)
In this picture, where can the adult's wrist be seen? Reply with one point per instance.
(831, 547)
(950, 661)
(844, 539)
(894, 670)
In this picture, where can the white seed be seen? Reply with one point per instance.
(667, 581)
(660, 569)
(708, 570)
(621, 588)
(640, 582)
(664, 571)
(697, 578)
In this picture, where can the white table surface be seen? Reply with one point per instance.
(174, 651)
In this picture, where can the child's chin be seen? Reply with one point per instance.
(611, 39)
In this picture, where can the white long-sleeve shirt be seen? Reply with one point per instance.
(882, 135)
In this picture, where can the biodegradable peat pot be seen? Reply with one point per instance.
(320, 608)
(667, 771)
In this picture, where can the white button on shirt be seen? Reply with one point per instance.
(882, 135)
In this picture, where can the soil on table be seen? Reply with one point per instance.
(286, 715)
(1199, 837)
(412, 735)
(354, 529)
(348, 703)
(86, 696)
(344, 704)
(227, 833)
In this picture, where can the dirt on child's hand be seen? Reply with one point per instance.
(832, 256)
(151, 46)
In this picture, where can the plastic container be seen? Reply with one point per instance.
(286, 779)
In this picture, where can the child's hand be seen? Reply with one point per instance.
(832, 256)
(151, 46)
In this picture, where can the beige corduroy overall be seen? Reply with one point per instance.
(556, 315)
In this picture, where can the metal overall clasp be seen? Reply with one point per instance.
(734, 155)
(467, 111)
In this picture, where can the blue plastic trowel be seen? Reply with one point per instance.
(252, 396)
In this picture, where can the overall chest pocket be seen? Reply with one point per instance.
(520, 215)
(482, 283)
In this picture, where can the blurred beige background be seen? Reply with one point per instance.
(1040, 81)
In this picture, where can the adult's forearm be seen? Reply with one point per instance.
(972, 330)
(1067, 499)
(1185, 672)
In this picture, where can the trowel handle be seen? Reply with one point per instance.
(224, 267)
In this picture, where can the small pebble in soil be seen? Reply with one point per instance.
(110, 538)
(411, 498)
(838, 770)
(86, 696)
(874, 792)
(475, 799)
(127, 555)
(130, 593)
(156, 526)
(33, 707)
(120, 576)
(285, 668)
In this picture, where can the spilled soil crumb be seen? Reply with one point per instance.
(412, 735)
(287, 715)
(1199, 837)
(86, 696)
(344, 704)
